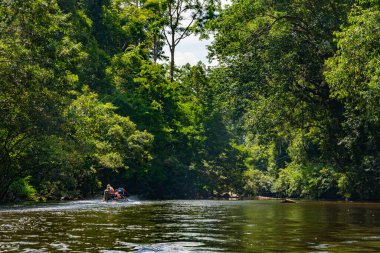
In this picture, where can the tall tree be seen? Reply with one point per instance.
(181, 20)
(37, 60)
(272, 86)
(353, 76)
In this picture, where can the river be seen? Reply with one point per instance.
(191, 226)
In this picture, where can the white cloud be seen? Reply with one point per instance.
(181, 58)
(191, 50)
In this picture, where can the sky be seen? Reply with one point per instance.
(191, 50)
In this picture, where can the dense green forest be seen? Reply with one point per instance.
(87, 98)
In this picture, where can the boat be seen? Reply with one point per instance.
(108, 198)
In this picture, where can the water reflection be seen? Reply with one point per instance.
(191, 226)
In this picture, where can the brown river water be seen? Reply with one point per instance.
(191, 226)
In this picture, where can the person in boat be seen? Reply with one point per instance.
(109, 192)
(122, 192)
(125, 193)
(117, 195)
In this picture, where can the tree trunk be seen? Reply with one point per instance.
(172, 51)
(7, 174)
(5, 181)
(155, 48)
(172, 64)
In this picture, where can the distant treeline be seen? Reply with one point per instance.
(292, 108)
